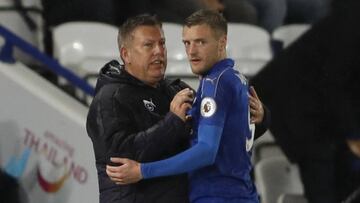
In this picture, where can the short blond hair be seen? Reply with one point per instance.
(132, 23)
(213, 19)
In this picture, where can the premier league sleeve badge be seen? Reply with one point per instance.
(208, 107)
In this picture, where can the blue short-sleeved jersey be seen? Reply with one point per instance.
(218, 161)
(222, 100)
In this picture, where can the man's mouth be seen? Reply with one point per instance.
(195, 60)
(157, 62)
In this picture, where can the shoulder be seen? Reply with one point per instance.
(223, 79)
(108, 91)
(232, 78)
(175, 84)
(113, 94)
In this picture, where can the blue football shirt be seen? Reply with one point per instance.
(219, 161)
(222, 100)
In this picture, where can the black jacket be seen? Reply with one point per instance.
(130, 119)
(312, 87)
(262, 127)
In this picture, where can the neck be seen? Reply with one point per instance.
(137, 76)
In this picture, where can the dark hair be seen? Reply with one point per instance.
(132, 23)
(212, 18)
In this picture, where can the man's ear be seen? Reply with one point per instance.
(223, 41)
(124, 55)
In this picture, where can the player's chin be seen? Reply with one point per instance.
(197, 70)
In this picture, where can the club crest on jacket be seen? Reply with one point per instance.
(149, 105)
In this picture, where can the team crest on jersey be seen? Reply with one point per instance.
(208, 107)
(149, 105)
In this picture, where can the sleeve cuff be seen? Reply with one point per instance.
(142, 170)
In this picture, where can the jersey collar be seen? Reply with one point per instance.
(220, 65)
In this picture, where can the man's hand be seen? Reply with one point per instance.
(181, 103)
(256, 107)
(127, 173)
(354, 146)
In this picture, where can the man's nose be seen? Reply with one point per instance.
(191, 49)
(160, 49)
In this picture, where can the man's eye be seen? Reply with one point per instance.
(148, 45)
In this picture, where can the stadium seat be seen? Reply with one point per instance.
(6, 3)
(266, 139)
(354, 197)
(249, 46)
(291, 198)
(84, 47)
(25, 3)
(275, 176)
(174, 45)
(287, 34)
(12, 20)
(265, 150)
(31, 3)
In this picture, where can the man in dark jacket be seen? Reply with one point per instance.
(130, 115)
(138, 114)
(132, 119)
